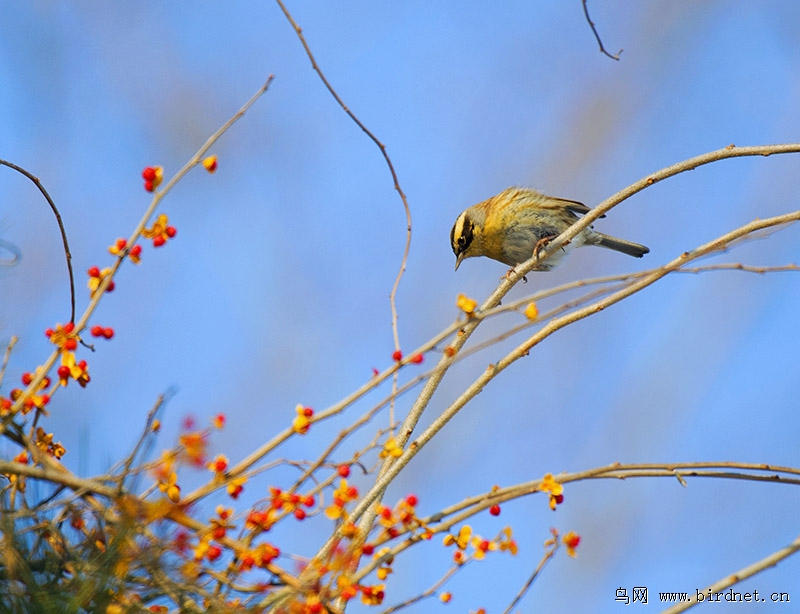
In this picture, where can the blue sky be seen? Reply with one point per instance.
(275, 290)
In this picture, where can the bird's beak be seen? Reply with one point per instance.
(459, 258)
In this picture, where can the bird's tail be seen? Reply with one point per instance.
(620, 245)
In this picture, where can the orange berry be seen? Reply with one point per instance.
(343, 470)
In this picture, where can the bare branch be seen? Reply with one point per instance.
(392, 297)
(59, 221)
(596, 35)
(549, 553)
(737, 576)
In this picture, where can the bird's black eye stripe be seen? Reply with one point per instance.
(466, 235)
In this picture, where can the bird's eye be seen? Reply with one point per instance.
(462, 241)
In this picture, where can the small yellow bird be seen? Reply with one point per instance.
(513, 225)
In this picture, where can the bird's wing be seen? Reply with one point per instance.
(574, 206)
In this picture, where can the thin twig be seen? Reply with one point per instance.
(428, 593)
(145, 436)
(738, 576)
(6, 357)
(548, 554)
(596, 34)
(403, 262)
(60, 223)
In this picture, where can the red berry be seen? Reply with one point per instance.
(69, 327)
(308, 501)
(108, 332)
(368, 549)
(111, 287)
(171, 231)
(213, 553)
(48, 332)
(343, 470)
(63, 372)
(397, 355)
(97, 331)
(158, 241)
(300, 513)
(71, 345)
(416, 359)
(149, 186)
(94, 272)
(412, 500)
(149, 173)
(121, 243)
(308, 412)
(136, 250)
(27, 378)
(494, 510)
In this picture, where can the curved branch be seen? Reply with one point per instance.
(60, 222)
(596, 34)
(392, 297)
